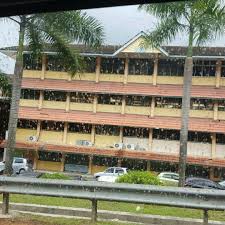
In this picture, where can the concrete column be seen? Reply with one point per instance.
(41, 98)
(123, 105)
(95, 102)
(65, 132)
(44, 66)
(155, 72)
(150, 139)
(218, 72)
(67, 101)
(35, 159)
(148, 166)
(211, 173)
(152, 107)
(213, 146)
(93, 134)
(97, 69)
(90, 164)
(126, 70)
(119, 163)
(38, 130)
(215, 110)
(63, 162)
(121, 134)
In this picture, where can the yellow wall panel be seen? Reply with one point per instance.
(111, 77)
(96, 169)
(169, 80)
(106, 140)
(139, 79)
(56, 75)
(23, 134)
(54, 105)
(29, 102)
(84, 76)
(167, 112)
(221, 115)
(222, 81)
(201, 113)
(32, 73)
(210, 81)
(81, 106)
(48, 166)
(138, 110)
(109, 108)
(51, 137)
(73, 137)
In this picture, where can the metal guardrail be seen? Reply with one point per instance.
(132, 193)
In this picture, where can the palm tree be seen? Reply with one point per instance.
(201, 20)
(59, 30)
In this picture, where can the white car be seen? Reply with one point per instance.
(19, 165)
(110, 179)
(169, 177)
(222, 183)
(111, 171)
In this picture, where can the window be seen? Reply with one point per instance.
(54, 63)
(171, 103)
(141, 67)
(107, 130)
(110, 99)
(162, 134)
(119, 171)
(112, 66)
(138, 101)
(79, 128)
(52, 126)
(17, 160)
(204, 68)
(110, 170)
(221, 105)
(168, 176)
(27, 124)
(55, 96)
(199, 137)
(49, 156)
(136, 132)
(90, 64)
(201, 104)
(79, 97)
(170, 67)
(30, 63)
(220, 139)
(77, 159)
(30, 94)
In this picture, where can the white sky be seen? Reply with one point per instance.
(120, 24)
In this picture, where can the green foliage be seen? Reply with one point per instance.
(58, 176)
(139, 177)
(5, 86)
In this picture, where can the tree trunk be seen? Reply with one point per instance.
(14, 108)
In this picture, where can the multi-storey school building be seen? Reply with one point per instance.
(123, 110)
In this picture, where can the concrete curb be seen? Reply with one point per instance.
(107, 215)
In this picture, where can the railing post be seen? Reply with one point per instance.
(5, 203)
(94, 211)
(205, 217)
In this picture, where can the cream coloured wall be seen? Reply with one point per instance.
(84, 76)
(51, 137)
(220, 151)
(73, 137)
(111, 77)
(23, 134)
(222, 81)
(167, 112)
(56, 75)
(81, 106)
(32, 73)
(221, 115)
(210, 81)
(139, 79)
(169, 80)
(197, 149)
(54, 105)
(140, 143)
(140, 110)
(165, 147)
(106, 141)
(201, 113)
(109, 108)
(49, 166)
(29, 102)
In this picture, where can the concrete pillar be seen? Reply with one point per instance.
(121, 134)
(44, 66)
(97, 69)
(152, 107)
(126, 70)
(35, 159)
(150, 139)
(119, 163)
(211, 173)
(123, 104)
(218, 72)
(63, 162)
(93, 134)
(95, 102)
(67, 101)
(215, 110)
(41, 98)
(148, 166)
(38, 130)
(90, 164)
(65, 132)
(213, 146)
(155, 71)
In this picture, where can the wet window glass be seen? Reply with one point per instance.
(170, 67)
(112, 66)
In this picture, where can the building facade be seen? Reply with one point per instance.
(124, 109)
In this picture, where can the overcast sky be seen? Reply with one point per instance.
(120, 25)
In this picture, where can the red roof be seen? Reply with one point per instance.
(123, 89)
(195, 124)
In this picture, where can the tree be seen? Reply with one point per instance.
(59, 30)
(5, 86)
(201, 20)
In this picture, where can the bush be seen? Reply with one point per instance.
(139, 177)
(59, 176)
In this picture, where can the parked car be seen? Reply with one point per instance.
(169, 178)
(110, 179)
(196, 182)
(111, 171)
(19, 165)
(222, 183)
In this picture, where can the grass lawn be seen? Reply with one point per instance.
(116, 206)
